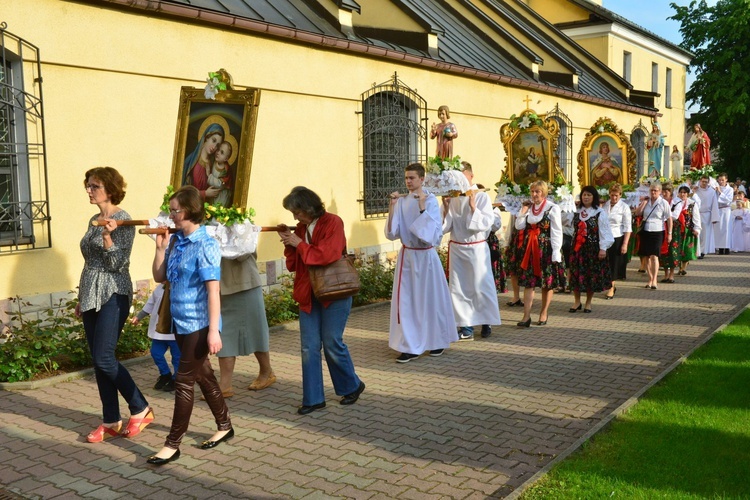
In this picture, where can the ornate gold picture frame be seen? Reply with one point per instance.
(530, 143)
(214, 143)
(606, 156)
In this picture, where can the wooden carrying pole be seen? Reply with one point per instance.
(162, 230)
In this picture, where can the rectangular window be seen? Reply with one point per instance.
(24, 211)
(627, 61)
(668, 91)
(654, 78)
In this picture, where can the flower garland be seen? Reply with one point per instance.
(695, 175)
(526, 120)
(217, 212)
(646, 180)
(437, 165)
(216, 82)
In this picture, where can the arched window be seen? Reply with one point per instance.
(392, 137)
(638, 140)
(565, 142)
(24, 212)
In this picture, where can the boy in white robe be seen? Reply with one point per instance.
(709, 214)
(421, 311)
(723, 229)
(469, 220)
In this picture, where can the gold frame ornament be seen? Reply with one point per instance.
(606, 156)
(230, 115)
(530, 143)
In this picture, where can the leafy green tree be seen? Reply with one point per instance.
(719, 36)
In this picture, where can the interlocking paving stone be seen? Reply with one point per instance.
(476, 422)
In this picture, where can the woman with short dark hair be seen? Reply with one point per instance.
(589, 268)
(192, 266)
(621, 225)
(319, 240)
(655, 211)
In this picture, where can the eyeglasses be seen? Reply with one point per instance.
(92, 187)
(175, 212)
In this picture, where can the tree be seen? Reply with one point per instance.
(719, 36)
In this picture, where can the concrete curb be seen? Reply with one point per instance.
(67, 377)
(615, 413)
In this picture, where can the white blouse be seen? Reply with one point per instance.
(605, 232)
(655, 214)
(555, 229)
(620, 218)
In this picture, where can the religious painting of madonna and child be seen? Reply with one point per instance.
(214, 144)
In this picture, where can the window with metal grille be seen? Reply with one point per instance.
(392, 137)
(24, 211)
(564, 142)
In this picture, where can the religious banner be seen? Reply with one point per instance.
(606, 156)
(530, 143)
(214, 143)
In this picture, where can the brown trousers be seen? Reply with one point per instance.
(195, 367)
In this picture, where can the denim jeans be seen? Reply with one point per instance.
(159, 349)
(324, 327)
(103, 329)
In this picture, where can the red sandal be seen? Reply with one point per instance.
(136, 425)
(103, 433)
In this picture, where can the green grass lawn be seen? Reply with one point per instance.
(688, 437)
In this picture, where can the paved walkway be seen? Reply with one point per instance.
(475, 423)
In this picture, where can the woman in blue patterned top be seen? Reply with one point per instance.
(191, 264)
(104, 297)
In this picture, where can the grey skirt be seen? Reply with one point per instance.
(244, 325)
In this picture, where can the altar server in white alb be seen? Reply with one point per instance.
(709, 212)
(469, 220)
(723, 229)
(421, 311)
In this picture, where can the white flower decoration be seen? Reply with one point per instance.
(211, 88)
(563, 191)
(603, 192)
(601, 129)
(516, 188)
(525, 122)
(502, 190)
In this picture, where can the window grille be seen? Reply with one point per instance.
(565, 142)
(393, 135)
(24, 209)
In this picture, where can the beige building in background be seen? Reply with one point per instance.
(347, 92)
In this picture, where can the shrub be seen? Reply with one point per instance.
(280, 306)
(375, 278)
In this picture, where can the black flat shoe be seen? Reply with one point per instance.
(207, 445)
(587, 311)
(352, 398)
(513, 304)
(574, 309)
(304, 410)
(525, 324)
(154, 460)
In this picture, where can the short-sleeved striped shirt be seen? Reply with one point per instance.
(192, 261)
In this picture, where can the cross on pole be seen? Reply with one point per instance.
(527, 101)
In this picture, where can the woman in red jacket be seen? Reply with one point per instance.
(319, 240)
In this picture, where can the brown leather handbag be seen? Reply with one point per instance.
(335, 281)
(164, 322)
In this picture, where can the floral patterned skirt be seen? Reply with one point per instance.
(588, 273)
(671, 258)
(553, 273)
(689, 246)
(496, 260)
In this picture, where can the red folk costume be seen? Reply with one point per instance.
(327, 245)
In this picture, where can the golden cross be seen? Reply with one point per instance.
(527, 101)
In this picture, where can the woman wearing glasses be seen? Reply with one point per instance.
(192, 265)
(104, 296)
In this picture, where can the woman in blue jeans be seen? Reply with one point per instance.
(104, 296)
(319, 240)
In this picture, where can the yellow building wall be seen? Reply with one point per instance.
(111, 94)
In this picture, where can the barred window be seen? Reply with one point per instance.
(392, 137)
(24, 211)
(564, 142)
